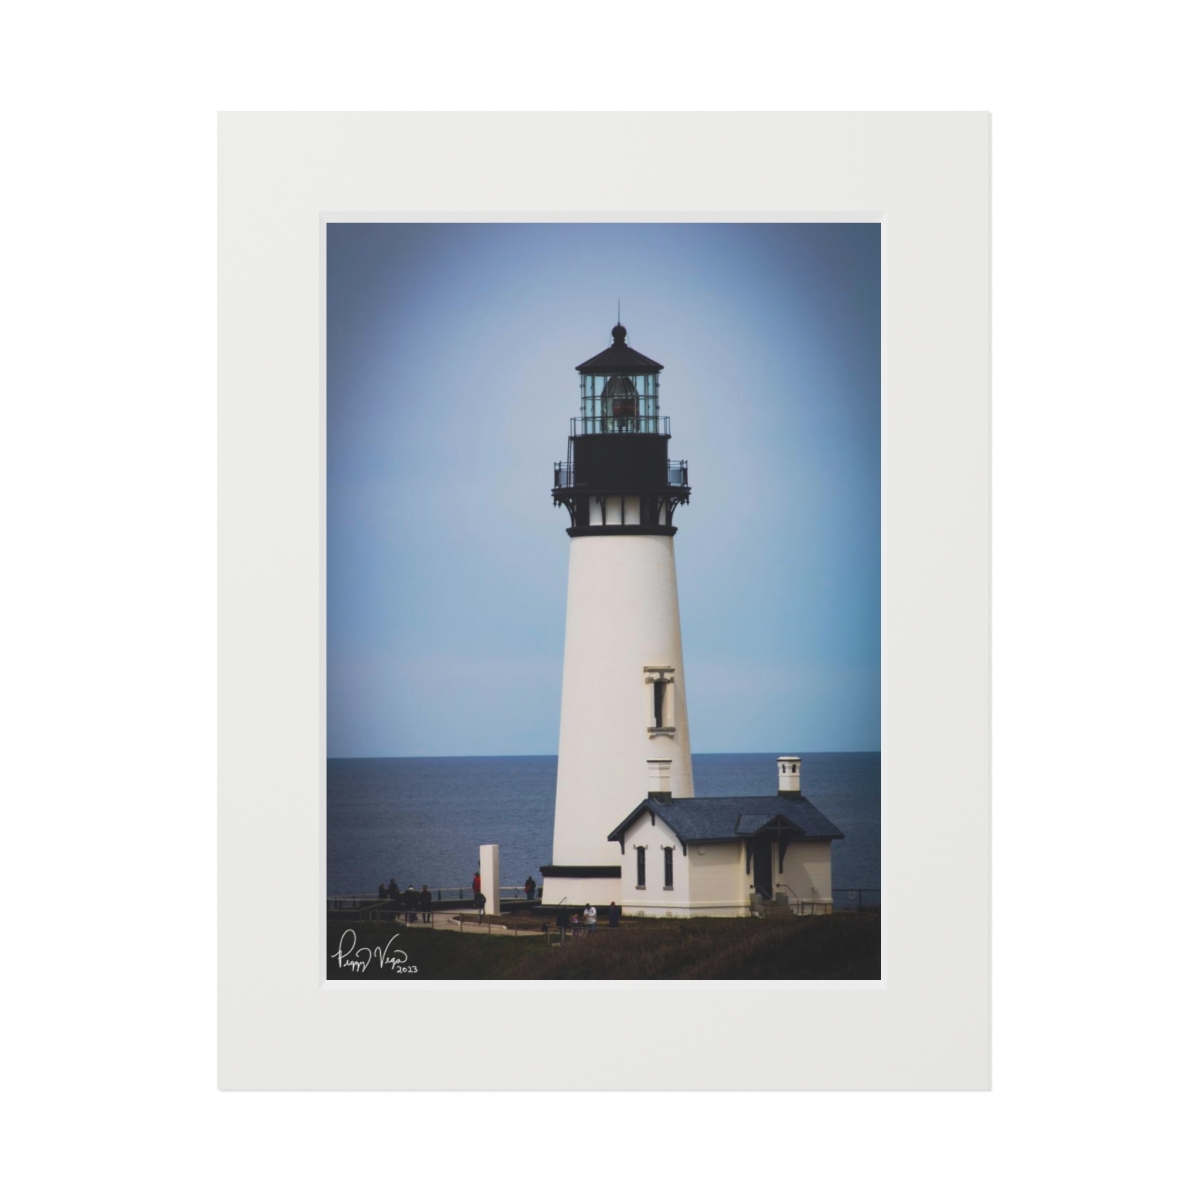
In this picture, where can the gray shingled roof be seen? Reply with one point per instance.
(750, 823)
(722, 818)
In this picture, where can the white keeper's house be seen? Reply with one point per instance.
(651, 845)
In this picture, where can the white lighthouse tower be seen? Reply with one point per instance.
(623, 699)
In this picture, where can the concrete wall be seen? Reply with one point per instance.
(559, 890)
(489, 878)
(718, 873)
(622, 616)
(655, 836)
(808, 871)
(709, 884)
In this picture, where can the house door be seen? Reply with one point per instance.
(764, 874)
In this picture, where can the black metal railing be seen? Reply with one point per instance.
(441, 894)
(856, 898)
(842, 900)
(677, 474)
(587, 425)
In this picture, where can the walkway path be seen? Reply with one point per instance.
(466, 920)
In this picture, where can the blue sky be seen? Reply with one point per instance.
(451, 382)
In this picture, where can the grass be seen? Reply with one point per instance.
(840, 946)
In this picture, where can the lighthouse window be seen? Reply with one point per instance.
(641, 867)
(668, 867)
(659, 701)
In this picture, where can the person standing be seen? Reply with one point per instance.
(476, 884)
(425, 900)
(410, 904)
(530, 888)
(614, 914)
(480, 902)
(393, 892)
(589, 916)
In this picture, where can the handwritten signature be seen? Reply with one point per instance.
(359, 958)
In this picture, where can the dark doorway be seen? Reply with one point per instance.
(764, 863)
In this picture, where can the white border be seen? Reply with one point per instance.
(929, 173)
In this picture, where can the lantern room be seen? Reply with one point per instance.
(618, 390)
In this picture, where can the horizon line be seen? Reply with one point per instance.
(697, 754)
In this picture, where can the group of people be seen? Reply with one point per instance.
(589, 919)
(410, 901)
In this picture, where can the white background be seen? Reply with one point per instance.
(109, 602)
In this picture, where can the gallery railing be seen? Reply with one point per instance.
(677, 474)
(581, 426)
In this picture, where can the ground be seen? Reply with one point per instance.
(841, 946)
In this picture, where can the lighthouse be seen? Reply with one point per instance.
(623, 699)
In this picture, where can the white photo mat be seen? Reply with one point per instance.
(281, 175)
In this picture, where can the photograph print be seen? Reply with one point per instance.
(603, 543)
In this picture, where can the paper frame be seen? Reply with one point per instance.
(929, 175)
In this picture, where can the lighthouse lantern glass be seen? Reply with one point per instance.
(619, 403)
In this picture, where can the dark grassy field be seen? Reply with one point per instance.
(841, 946)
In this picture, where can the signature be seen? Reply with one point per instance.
(359, 958)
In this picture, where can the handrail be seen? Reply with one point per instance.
(433, 887)
(442, 893)
(677, 476)
(854, 897)
(600, 424)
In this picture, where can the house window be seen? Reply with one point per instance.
(668, 867)
(641, 867)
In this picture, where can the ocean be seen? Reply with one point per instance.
(422, 820)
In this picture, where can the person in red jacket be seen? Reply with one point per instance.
(476, 884)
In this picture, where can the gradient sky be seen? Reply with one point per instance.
(451, 382)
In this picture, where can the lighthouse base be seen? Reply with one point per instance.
(577, 885)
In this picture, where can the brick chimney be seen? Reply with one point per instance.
(789, 775)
